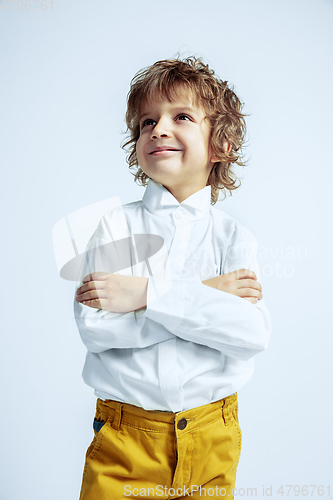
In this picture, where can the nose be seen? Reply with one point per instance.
(161, 129)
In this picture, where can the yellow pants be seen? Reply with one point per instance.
(138, 453)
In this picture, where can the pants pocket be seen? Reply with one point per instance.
(230, 417)
(98, 424)
(96, 442)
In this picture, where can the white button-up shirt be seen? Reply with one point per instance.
(192, 344)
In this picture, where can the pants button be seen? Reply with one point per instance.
(182, 424)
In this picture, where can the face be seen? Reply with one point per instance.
(174, 144)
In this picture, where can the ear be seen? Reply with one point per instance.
(226, 145)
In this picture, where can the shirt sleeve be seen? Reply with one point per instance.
(102, 330)
(204, 315)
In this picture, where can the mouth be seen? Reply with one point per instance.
(159, 151)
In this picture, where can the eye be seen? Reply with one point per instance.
(150, 121)
(146, 122)
(184, 116)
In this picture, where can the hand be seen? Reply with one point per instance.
(242, 283)
(113, 292)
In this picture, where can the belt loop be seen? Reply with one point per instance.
(117, 416)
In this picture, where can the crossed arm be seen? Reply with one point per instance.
(122, 294)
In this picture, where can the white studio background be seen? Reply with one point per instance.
(65, 74)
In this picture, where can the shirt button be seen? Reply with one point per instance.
(178, 216)
(182, 424)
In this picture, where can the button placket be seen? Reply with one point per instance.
(177, 252)
(168, 373)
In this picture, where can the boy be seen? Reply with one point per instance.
(169, 306)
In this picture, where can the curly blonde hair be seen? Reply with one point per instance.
(220, 102)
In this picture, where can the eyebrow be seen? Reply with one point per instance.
(180, 108)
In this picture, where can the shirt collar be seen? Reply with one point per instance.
(159, 200)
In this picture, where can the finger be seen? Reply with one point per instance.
(91, 295)
(97, 304)
(244, 274)
(248, 292)
(94, 303)
(251, 299)
(90, 285)
(248, 283)
(95, 276)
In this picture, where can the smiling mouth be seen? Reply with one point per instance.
(163, 151)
